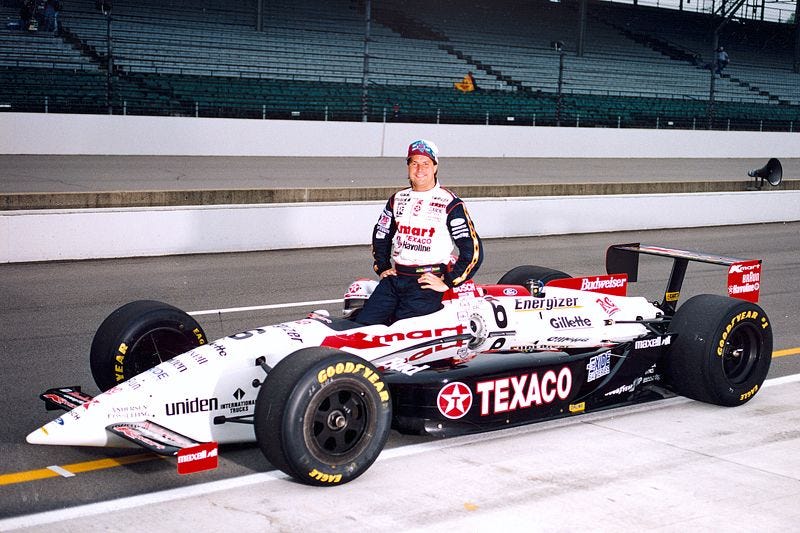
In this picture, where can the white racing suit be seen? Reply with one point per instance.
(417, 231)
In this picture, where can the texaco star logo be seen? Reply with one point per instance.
(454, 400)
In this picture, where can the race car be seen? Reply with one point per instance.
(320, 395)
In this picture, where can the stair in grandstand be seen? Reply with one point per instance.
(140, 83)
(485, 67)
(682, 54)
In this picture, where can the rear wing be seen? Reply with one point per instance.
(744, 275)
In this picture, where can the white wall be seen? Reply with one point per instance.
(31, 133)
(104, 233)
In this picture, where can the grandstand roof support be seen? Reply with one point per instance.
(260, 15)
(365, 80)
(582, 17)
(797, 37)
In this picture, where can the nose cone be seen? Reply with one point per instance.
(76, 429)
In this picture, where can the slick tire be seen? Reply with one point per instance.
(722, 351)
(323, 416)
(521, 274)
(138, 336)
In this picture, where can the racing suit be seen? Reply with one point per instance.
(417, 231)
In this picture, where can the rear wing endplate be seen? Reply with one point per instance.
(744, 275)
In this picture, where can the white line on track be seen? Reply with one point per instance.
(63, 472)
(263, 307)
(203, 489)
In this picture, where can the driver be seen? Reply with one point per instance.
(417, 230)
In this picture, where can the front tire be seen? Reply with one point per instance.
(138, 336)
(722, 352)
(323, 416)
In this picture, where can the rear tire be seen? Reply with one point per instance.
(521, 274)
(323, 416)
(138, 336)
(722, 351)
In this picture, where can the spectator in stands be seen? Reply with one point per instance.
(417, 231)
(104, 6)
(51, 9)
(722, 59)
(26, 15)
(467, 84)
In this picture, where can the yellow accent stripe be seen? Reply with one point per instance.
(75, 468)
(476, 252)
(783, 353)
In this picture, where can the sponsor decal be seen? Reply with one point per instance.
(510, 291)
(546, 304)
(136, 435)
(524, 391)
(290, 332)
(625, 388)
(744, 315)
(613, 284)
(128, 411)
(325, 478)
(197, 405)
(454, 400)
(239, 406)
(466, 289)
(198, 458)
(577, 407)
(199, 336)
(363, 341)
(417, 232)
(607, 305)
(159, 373)
(749, 394)
(576, 322)
(672, 296)
(598, 366)
(652, 343)
(178, 364)
(398, 364)
(569, 340)
(744, 280)
(350, 367)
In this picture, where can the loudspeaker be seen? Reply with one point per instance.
(772, 172)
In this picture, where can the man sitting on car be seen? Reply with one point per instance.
(417, 230)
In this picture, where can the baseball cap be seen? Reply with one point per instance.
(424, 147)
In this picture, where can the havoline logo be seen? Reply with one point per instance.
(192, 406)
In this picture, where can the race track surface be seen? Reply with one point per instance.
(673, 465)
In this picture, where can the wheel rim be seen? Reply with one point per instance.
(156, 346)
(337, 421)
(740, 353)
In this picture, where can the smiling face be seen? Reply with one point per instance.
(421, 173)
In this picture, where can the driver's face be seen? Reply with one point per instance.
(421, 173)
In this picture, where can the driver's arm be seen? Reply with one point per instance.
(382, 239)
(466, 239)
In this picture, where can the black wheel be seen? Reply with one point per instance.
(138, 336)
(722, 352)
(521, 274)
(323, 416)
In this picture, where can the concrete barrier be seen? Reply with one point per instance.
(35, 133)
(47, 235)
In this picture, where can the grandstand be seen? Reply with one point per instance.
(639, 66)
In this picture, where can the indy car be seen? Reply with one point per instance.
(320, 395)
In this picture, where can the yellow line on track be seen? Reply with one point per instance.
(101, 464)
(784, 353)
(75, 468)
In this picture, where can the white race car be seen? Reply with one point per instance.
(319, 395)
